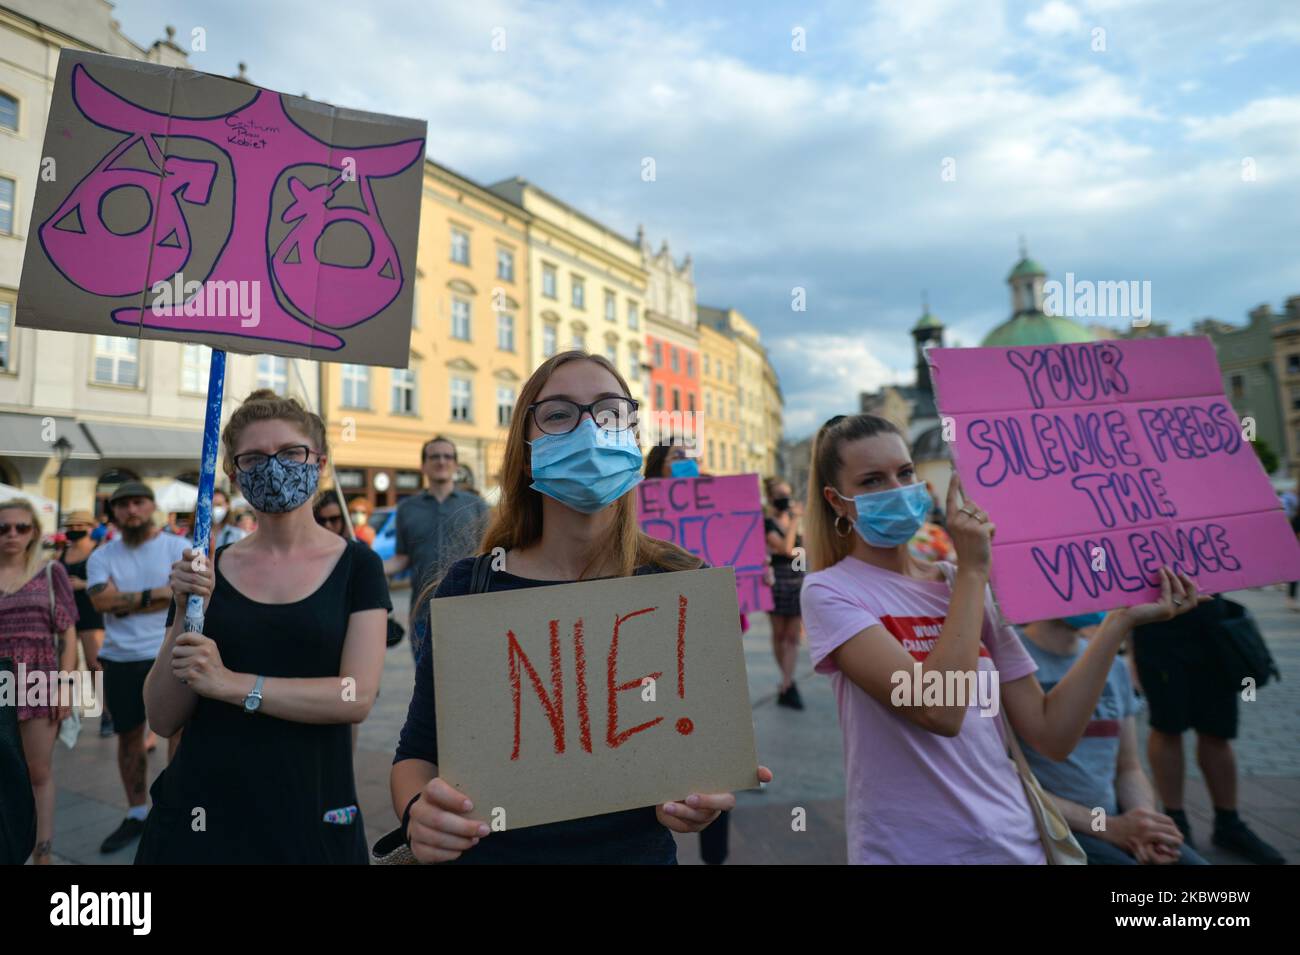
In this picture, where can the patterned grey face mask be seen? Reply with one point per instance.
(275, 488)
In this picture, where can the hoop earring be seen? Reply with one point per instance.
(848, 524)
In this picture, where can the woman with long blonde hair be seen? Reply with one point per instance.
(929, 780)
(565, 515)
(38, 616)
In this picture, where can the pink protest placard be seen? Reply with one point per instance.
(719, 520)
(1101, 461)
(185, 206)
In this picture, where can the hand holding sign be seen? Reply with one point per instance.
(970, 529)
(699, 811)
(1177, 596)
(440, 826)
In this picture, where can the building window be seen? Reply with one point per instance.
(460, 319)
(505, 405)
(273, 373)
(8, 112)
(659, 354)
(634, 362)
(1238, 387)
(633, 315)
(195, 362)
(710, 453)
(708, 403)
(611, 306)
(659, 397)
(690, 402)
(6, 335)
(460, 246)
(462, 399)
(7, 190)
(690, 365)
(677, 399)
(356, 386)
(706, 364)
(550, 345)
(505, 265)
(1293, 364)
(505, 331)
(672, 357)
(579, 341)
(404, 398)
(1295, 399)
(611, 352)
(549, 282)
(579, 299)
(117, 361)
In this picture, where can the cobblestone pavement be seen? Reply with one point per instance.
(802, 748)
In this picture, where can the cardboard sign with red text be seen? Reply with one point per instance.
(719, 520)
(1101, 461)
(579, 699)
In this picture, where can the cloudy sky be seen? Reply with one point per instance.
(1126, 139)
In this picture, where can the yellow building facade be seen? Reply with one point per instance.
(587, 285)
(718, 358)
(470, 351)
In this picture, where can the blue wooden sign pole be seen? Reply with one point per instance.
(207, 477)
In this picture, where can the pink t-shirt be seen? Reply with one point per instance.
(914, 797)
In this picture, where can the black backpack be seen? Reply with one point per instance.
(1242, 649)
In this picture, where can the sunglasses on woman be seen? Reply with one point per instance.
(20, 528)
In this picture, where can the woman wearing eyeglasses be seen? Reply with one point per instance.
(290, 657)
(37, 618)
(565, 515)
(931, 782)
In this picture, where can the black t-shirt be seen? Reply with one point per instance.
(633, 836)
(265, 784)
(770, 526)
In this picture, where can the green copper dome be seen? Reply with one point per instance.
(927, 321)
(1036, 329)
(1026, 266)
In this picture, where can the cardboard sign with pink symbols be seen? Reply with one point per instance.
(179, 205)
(1101, 461)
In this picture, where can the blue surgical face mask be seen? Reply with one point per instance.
(685, 467)
(588, 468)
(889, 518)
(1081, 620)
(275, 488)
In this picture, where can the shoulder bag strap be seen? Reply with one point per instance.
(481, 575)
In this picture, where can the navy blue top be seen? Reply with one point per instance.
(632, 836)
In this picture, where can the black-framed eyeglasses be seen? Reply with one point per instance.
(560, 415)
(294, 455)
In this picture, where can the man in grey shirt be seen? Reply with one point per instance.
(438, 526)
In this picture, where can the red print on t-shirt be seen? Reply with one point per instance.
(918, 635)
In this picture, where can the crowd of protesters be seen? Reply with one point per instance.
(883, 580)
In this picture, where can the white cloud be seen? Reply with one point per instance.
(1054, 18)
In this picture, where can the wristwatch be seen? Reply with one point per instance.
(253, 702)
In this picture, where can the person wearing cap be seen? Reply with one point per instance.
(77, 527)
(127, 580)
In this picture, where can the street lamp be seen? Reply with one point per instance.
(62, 449)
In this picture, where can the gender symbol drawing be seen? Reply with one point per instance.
(281, 177)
